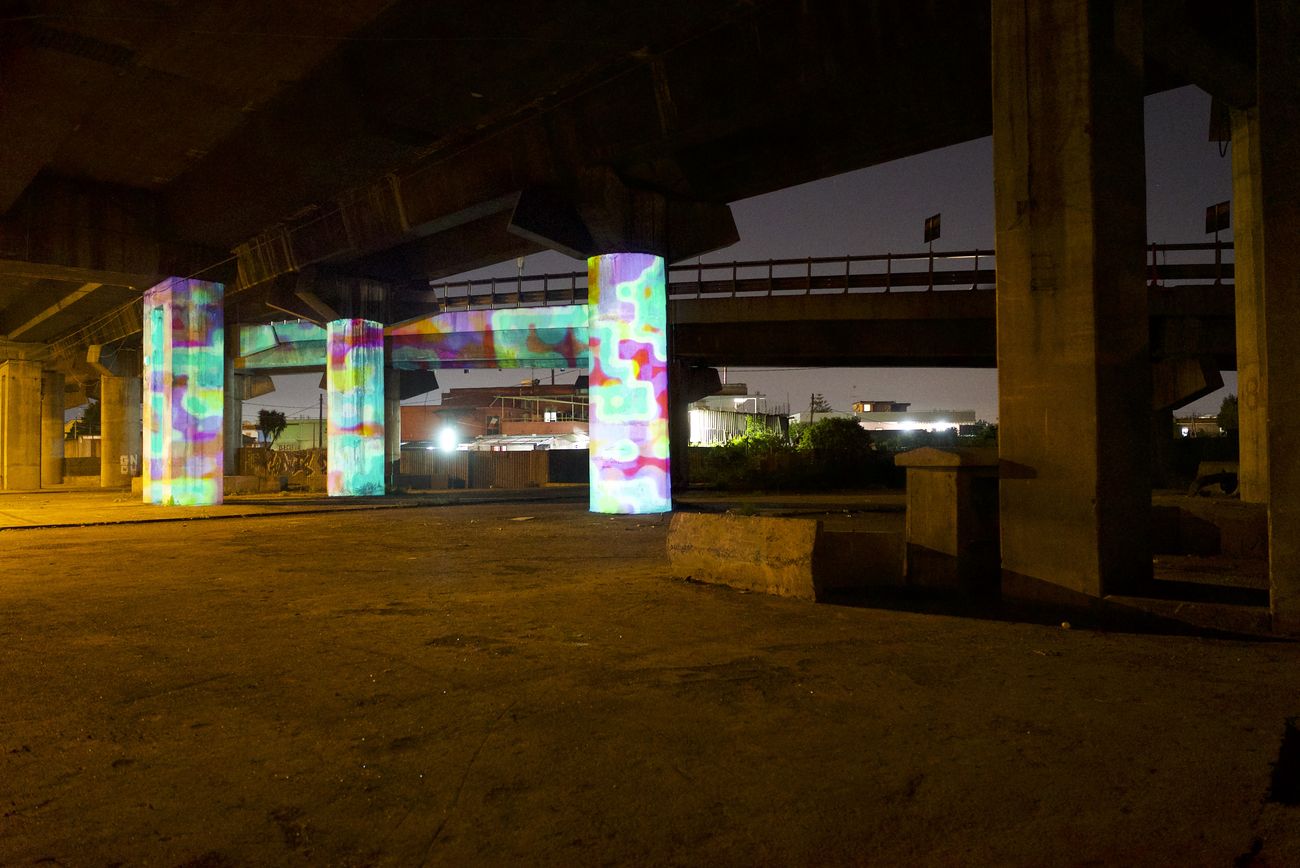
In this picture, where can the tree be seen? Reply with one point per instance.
(835, 439)
(838, 452)
(1228, 414)
(817, 404)
(270, 425)
(760, 438)
(87, 423)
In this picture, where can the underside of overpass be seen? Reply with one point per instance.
(301, 156)
(329, 161)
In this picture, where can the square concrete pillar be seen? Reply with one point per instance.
(628, 420)
(392, 424)
(1266, 199)
(184, 364)
(952, 519)
(120, 430)
(1074, 376)
(51, 428)
(232, 406)
(20, 425)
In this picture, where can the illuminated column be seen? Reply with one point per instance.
(184, 369)
(628, 303)
(355, 389)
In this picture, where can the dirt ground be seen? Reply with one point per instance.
(455, 686)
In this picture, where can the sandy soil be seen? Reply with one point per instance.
(452, 686)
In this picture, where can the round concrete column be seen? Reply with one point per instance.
(51, 428)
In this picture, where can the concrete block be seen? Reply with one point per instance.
(788, 557)
(755, 553)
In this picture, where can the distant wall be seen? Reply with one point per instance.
(435, 469)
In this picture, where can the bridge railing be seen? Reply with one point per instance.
(925, 271)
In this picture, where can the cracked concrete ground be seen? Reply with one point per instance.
(453, 686)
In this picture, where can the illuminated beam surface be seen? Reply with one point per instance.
(628, 304)
(184, 371)
(355, 387)
(530, 337)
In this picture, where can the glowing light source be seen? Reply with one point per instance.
(448, 439)
(355, 393)
(628, 319)
(184, 370)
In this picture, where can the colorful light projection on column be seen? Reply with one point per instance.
(530, 337)
(355, 387)
(184, 371)
(628, 304)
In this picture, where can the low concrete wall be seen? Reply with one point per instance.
(81, 466)
(1209, 526)
(787, 557)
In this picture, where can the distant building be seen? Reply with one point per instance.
(880, 407)
(721, 418)
(528, 416)
(878, 415)
(907, 420)
(1197, 426)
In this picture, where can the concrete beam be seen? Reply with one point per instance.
(1195, 50)
(61, 304)
(113, 361)
(21, 270)
(1180, 381)
(81, 231)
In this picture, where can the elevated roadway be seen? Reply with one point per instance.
(305, 156)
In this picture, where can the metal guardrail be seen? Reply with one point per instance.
(926, 271)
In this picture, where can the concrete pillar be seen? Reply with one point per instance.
(1248, 277)
(232, 406)
(1266, 199)
(392, 423)
(51, 428)
(1074, 375)
(679, 424)
(184, 364)
(952, 519)
(120, 433)
(20, 425)
(628, 419)
(355, 395)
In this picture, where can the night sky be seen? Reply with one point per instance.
(882, 209)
